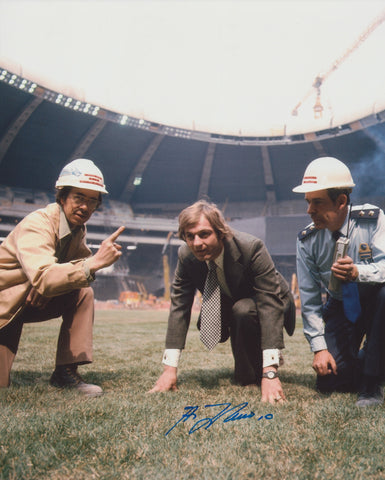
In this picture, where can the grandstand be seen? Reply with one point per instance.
(251, 183)
(153, 170)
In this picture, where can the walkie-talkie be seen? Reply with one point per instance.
(339, 252)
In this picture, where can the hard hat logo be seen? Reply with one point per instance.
(70, 169)
(309, 180)
(82, 173)
(93, 180)
(323, 173)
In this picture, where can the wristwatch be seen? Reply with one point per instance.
(270, 374)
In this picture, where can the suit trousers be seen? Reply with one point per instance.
(356, 366)
(74, 344)
(240, 321)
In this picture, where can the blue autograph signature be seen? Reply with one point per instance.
(230, 414)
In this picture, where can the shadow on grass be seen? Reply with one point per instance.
(24, 378)
(204, 378)
(208, 379)
(300, 379)
(214, 378)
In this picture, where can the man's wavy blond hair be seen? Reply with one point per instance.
(191, 215)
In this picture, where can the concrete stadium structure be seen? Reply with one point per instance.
(152, 171)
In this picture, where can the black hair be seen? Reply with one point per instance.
(63, 192)
(334, 193)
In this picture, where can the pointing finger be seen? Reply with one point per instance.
(116, 234)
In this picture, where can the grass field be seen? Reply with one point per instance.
(46, 433)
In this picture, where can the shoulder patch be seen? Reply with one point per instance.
(306, 232)
(366, 213)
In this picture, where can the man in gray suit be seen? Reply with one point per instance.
(254, 300)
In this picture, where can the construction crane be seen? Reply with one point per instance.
(320, 78)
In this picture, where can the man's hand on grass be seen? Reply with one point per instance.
(167, 381)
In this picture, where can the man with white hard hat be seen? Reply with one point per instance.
(342, 253)
(46, 271)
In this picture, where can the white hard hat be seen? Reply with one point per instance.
(82, 173)
(323, 173)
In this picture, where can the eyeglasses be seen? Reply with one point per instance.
(79, 199)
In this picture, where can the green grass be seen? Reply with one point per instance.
(46, 433)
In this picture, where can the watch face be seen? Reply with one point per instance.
(270, 374)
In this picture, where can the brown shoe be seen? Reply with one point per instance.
(66, 376)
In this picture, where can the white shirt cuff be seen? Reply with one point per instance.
(270, 357)
(318, 343)
(171, 357)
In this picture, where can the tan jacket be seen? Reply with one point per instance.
(29, 257)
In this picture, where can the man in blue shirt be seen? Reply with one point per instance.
(343, 250)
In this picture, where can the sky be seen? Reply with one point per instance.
(231, 67)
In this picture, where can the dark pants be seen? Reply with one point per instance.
(355, 367)
(240, 322)
(245, 337)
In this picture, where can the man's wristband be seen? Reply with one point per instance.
(270, 374)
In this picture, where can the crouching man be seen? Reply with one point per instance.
(342, 252)
(46, 270)
(244, 298)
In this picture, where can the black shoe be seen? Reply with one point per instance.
(371, 398)
(66, 376)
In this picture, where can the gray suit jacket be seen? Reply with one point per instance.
(249, 272)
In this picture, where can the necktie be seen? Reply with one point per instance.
(350, 295)
(210, 333)
(351, 301)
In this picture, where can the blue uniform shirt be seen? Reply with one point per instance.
(315, 249)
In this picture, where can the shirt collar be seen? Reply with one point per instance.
(219, 260)
(344, 227)
(64, 226)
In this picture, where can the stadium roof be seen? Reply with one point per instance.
(226, 67)
(76, 83)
